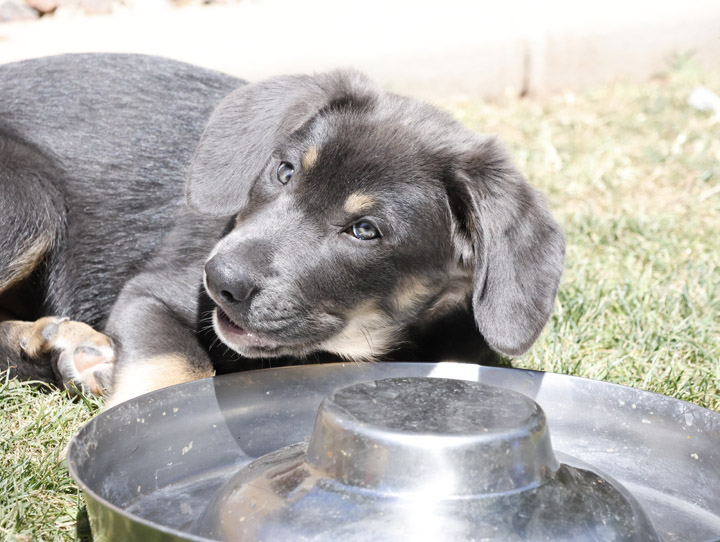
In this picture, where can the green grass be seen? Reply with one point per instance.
(631, 172)
(38, 499)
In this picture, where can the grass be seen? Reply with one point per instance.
(38, 499)
(632, 173)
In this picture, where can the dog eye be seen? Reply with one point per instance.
(364, 230)
(285, 172)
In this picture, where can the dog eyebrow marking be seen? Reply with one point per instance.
(358, 202)
(310, 157)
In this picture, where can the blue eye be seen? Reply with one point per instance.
(285, 172)
(364, 230)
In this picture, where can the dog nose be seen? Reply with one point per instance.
(229, 282)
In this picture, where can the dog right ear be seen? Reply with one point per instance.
(249, 124)
(506, 232)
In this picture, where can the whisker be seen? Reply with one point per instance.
(368, 340)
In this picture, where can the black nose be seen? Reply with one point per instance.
(229, 282)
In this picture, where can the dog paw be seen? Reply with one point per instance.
(82, 358)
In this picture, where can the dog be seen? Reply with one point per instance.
(163, 223)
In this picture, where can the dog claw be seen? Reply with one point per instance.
(95, 380)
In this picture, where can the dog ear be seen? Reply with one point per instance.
(249, 124)
(517, 248)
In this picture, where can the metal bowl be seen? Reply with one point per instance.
(424, 459)
(401, 457)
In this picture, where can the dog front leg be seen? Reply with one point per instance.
(158, 347)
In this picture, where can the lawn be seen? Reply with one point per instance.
(633, 175)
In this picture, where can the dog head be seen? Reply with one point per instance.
(358, 214)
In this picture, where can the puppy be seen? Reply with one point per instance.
(326, 220)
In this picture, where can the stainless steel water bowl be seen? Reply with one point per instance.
(401, 451)
(424, 459)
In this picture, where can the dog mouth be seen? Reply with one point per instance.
(241, 339)
(278, 337)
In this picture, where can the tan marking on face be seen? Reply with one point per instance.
(152, 374)
(30, 256)
(411, 291)
(358, 202)
(310, 157)
(457, 292)
(367, 335)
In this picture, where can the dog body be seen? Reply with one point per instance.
(93, 154)
(327, 220)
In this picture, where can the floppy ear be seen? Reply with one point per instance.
(249, 124)
(518, 249)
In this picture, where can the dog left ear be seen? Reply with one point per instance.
(250, 123)
(517, 248)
